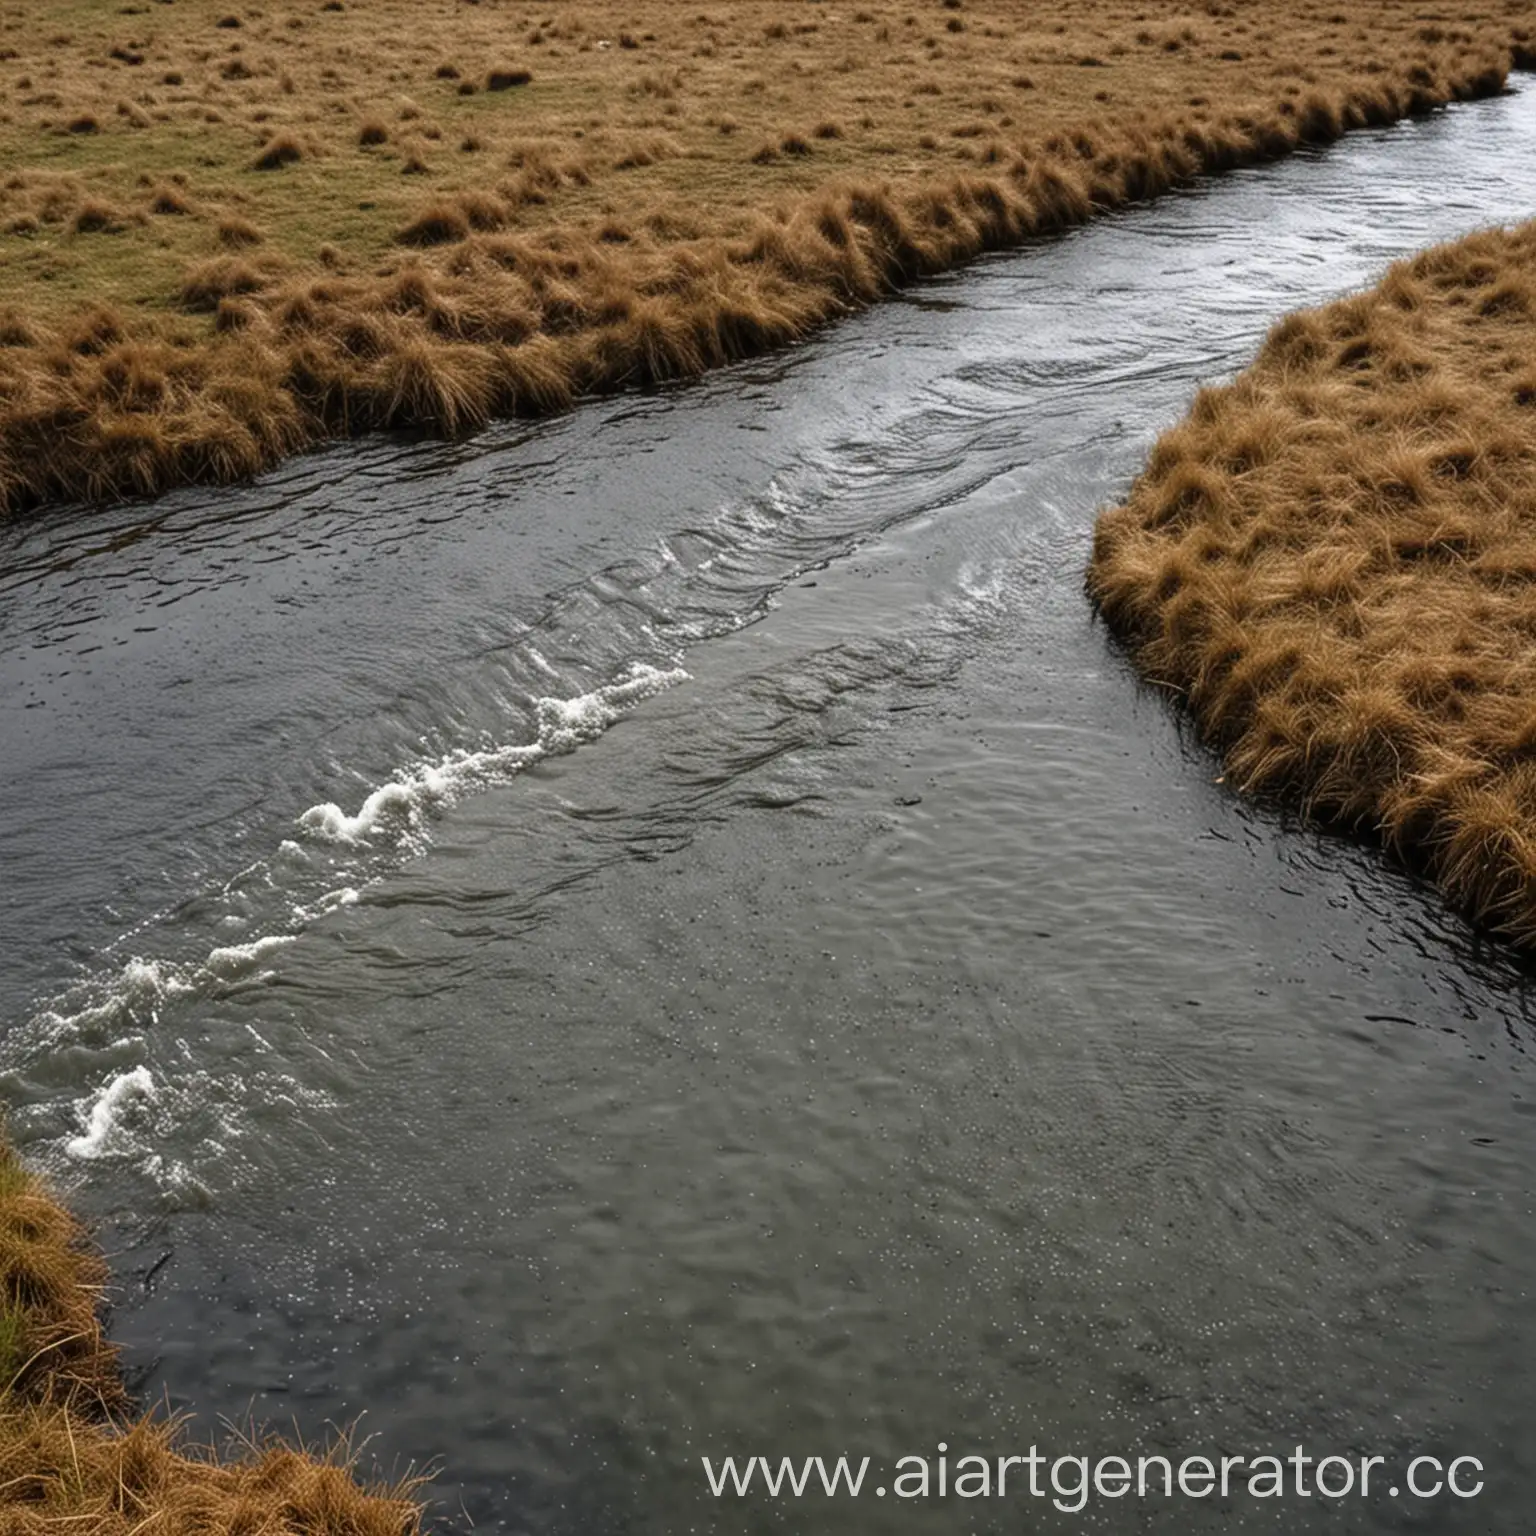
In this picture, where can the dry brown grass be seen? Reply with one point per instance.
(1333, 562)
(69, 1457)
(667, 189)
(51, 1348)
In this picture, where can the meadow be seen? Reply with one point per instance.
(229, 233)
(226, 234)
(1332, 563)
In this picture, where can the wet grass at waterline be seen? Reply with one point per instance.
(322, 220)
(1332, 562)
(72, 1457)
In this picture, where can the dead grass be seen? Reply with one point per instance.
(665, 190)
(280, 150)
(1333, 563)
(72, 1459)
(51, 1346)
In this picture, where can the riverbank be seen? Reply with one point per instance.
(72, 1455)
(303, 223)
(1331, 563)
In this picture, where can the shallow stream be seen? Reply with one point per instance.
(671, 932)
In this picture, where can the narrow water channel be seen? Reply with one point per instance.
(670, 932)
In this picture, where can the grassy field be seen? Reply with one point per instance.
(228, 232)
(72, 1458)
(1333, 563)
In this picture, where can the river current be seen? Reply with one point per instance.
(671, 932)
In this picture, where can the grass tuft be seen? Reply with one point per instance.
(94, 217)
(236, 233)
(280, 150)
(221, 277)
(167, 198)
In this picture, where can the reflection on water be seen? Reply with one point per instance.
(670, 932)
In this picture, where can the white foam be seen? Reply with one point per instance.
(150, 981)
(331, 901)
(104, 1132)
(170, 1126)
(233, 961)
(132, 1113)
(97, 1013)
(563, 725)
(539, 660)
(134, 994)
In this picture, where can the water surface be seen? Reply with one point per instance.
(672, 932)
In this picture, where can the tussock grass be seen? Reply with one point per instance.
(440, 223)
(280, 150)
(221, 277)
(72, 1457)
(1332, 562)
(236, 233)
(94, 217)
(168, 198)
(609, 195)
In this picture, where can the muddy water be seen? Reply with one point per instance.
(672, 933)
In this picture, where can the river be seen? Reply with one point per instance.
(672, 932)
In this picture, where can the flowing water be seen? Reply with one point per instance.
(671, 932)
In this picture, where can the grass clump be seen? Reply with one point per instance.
(280, 150)
(236, 233)
(1332, 562)
(439, 223)
(73, 1457)
(169, 199)
(95, 217)
(222, 277)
